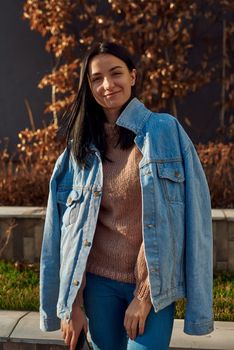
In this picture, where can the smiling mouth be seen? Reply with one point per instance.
(111, 94)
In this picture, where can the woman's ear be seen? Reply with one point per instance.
(133, 76)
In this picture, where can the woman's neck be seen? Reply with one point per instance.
(111, 115)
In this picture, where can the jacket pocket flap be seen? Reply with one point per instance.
(68, 197)
(74, 196)
(173, 171)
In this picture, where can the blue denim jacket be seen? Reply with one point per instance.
(176, 225)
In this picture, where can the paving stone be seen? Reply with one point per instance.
(214, 229)
(38, 234)
(11, 346)
(6, 236)
(231, 231)
(18, 346)
(8, 320)
(221, 339)
(214, 257)
(30, 224)
(51, 347)
(29, 249)
(231, 257)
(18, 242)
(27, 336)
(23, 346)
(221, 266)
(28, 330)
(221, 241)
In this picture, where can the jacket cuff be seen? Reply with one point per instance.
(49, 324)
(200, 328)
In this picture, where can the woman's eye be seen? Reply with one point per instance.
(96, 79)
(116, 73)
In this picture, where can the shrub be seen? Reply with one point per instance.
(24, 178)
(218, 162)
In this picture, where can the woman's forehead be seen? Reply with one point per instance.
(104, 62)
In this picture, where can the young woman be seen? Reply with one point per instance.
(128, 224)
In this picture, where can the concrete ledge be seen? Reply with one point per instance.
(22, 212)
(28, 331)
(221, 339)
(20, 331)
(8, 322)
(39, 212)
(223, 214)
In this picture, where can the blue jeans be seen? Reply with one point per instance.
(105, 303)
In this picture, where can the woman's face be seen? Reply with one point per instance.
(110, 82)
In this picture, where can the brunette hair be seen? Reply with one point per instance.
(83, 120)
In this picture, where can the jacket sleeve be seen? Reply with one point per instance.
(198, 248)
(50, 260)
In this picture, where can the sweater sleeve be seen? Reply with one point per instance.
(142, 290)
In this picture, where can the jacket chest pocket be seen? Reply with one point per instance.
(172, 178)
(69, 203)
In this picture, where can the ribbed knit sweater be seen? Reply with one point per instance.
(118, 250)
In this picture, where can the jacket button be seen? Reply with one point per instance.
(153, 269)
(87, 243)
(69, 200)
(75, 282)
(96, 193)
(157, 307)
(150, 225)
(177, 173)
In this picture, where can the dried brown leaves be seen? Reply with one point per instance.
(218, 162)
(24, 178)
(158, 33)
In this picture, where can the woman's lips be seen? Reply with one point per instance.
(111, 94)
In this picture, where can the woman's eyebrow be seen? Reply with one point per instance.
(113, 68)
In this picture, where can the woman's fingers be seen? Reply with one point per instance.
(131, 326)
(71, 331)
(134, 328)
(68, 336)
(127, 325)
(141, 326)
(135, 317)
(74, 340)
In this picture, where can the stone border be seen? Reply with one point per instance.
(39, 212)
(21, 230)
(22, 212)
(22, 327)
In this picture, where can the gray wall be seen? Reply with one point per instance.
(23, 61)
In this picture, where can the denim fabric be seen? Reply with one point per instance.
(106, 301)
(176, 228)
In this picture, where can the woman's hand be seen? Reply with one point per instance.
(135, 317)
(71, 330)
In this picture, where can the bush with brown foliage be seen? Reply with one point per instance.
(218, 162)
(24, 177)
(179, 46)
(25, 180)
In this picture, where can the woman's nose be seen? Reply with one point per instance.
(108, 83)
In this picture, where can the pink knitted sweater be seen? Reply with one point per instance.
(118, 250)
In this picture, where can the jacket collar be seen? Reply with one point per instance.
(134, 116)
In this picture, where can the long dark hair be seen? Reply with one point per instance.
(83, 120)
